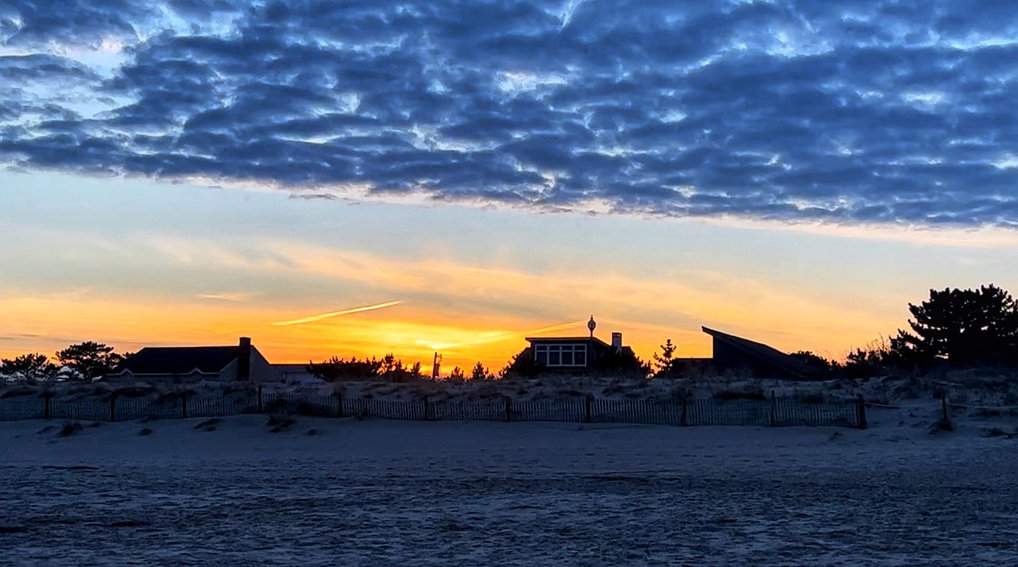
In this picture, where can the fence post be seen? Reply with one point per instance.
(860, 412)
(946, 409)
(774, 410)
(587, 403)
(260, 398)
(183, 406)
(427, 409)
(46, 405)
(684, 419)
(339, 403)
(508, 408)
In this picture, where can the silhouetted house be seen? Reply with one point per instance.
(574, 354)
(239, 363)
(736, 354)
(296, 374)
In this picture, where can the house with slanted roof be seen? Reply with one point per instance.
(238, 363)
(740, 355)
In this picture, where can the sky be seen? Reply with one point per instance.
(359, 178)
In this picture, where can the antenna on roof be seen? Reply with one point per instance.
(592, 324)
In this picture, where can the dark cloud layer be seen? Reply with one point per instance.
(865, 111)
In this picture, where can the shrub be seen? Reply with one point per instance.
(996, 432)
(752, 394)
(280, 423)
(941, 425)
(70, 428)
(208, 425)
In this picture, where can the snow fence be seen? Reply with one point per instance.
(685, 412)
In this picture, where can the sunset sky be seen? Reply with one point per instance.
(360, 178)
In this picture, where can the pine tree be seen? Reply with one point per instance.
(479, 372)
(963, 327)
(90, 359)
(29, 367)
(457, 375)
(663, 361)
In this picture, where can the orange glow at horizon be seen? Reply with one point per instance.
(413, 336)
(466, 312)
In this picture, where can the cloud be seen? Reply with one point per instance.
(862, 112)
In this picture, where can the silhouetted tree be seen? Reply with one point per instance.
(31, 367)
(965, 328)
(622, 361)
(663, 361)
(390, 364)
(456, 375)
(336, 368)
(870, 360)
(90, 359)
(480, 373)
(393, 369)
(815, 364)
(522, 365)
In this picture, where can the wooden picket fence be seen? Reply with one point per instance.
(689, 412)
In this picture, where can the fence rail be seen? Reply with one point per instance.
(691, 412)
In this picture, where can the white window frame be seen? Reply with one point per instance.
(577, 350)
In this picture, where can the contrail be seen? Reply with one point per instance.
(558, 327)
(321, 316)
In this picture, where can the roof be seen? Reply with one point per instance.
(179, 360)
(566, 340)
(764, 354)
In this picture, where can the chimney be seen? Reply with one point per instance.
(617, 341)
(244, 359)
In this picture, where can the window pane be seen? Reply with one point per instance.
(554, 359)
(567, 357)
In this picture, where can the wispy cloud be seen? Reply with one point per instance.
(329, 315)
(231, 297)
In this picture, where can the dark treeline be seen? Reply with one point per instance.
(387, 368)
(78, 362)
(953, 329)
